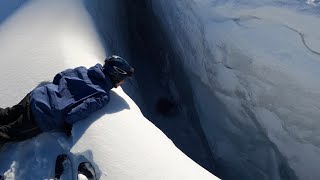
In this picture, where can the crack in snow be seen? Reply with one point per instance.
(250, 17)
(302, 39)
(244, 18)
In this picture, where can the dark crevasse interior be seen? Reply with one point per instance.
(166, 98)
(160, 87)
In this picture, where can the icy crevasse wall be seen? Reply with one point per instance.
(253, 69)
(110, 19)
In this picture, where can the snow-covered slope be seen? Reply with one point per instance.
(43, 37)
(254, 68)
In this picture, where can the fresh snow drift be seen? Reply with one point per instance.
(254, 69)
(43, 37)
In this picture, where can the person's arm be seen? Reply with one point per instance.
(87, 107)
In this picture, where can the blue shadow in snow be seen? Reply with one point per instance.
(9, 7)
(117, 104)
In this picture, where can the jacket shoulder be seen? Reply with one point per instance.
(96, 71)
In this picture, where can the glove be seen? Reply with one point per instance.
(67, 129)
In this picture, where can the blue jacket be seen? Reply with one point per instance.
(72, 96)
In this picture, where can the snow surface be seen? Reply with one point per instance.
(42, 37)
(254, 69)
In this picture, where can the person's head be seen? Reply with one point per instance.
(118, 69)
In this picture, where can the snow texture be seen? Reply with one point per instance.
(254, 68)
(42, 37)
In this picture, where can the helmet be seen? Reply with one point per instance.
(117, 68)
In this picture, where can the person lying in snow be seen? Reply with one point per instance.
(72, 96)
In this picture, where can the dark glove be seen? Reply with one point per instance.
(67, 129)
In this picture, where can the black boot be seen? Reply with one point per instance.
(62, 162)
(86, 169)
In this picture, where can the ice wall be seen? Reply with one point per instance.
(253, 69)
(165, 94)
(110, 19)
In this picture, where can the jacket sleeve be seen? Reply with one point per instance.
(86, 108)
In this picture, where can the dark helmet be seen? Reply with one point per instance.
(117, 68)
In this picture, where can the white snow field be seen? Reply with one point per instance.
(40, 38)
(254, 67)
